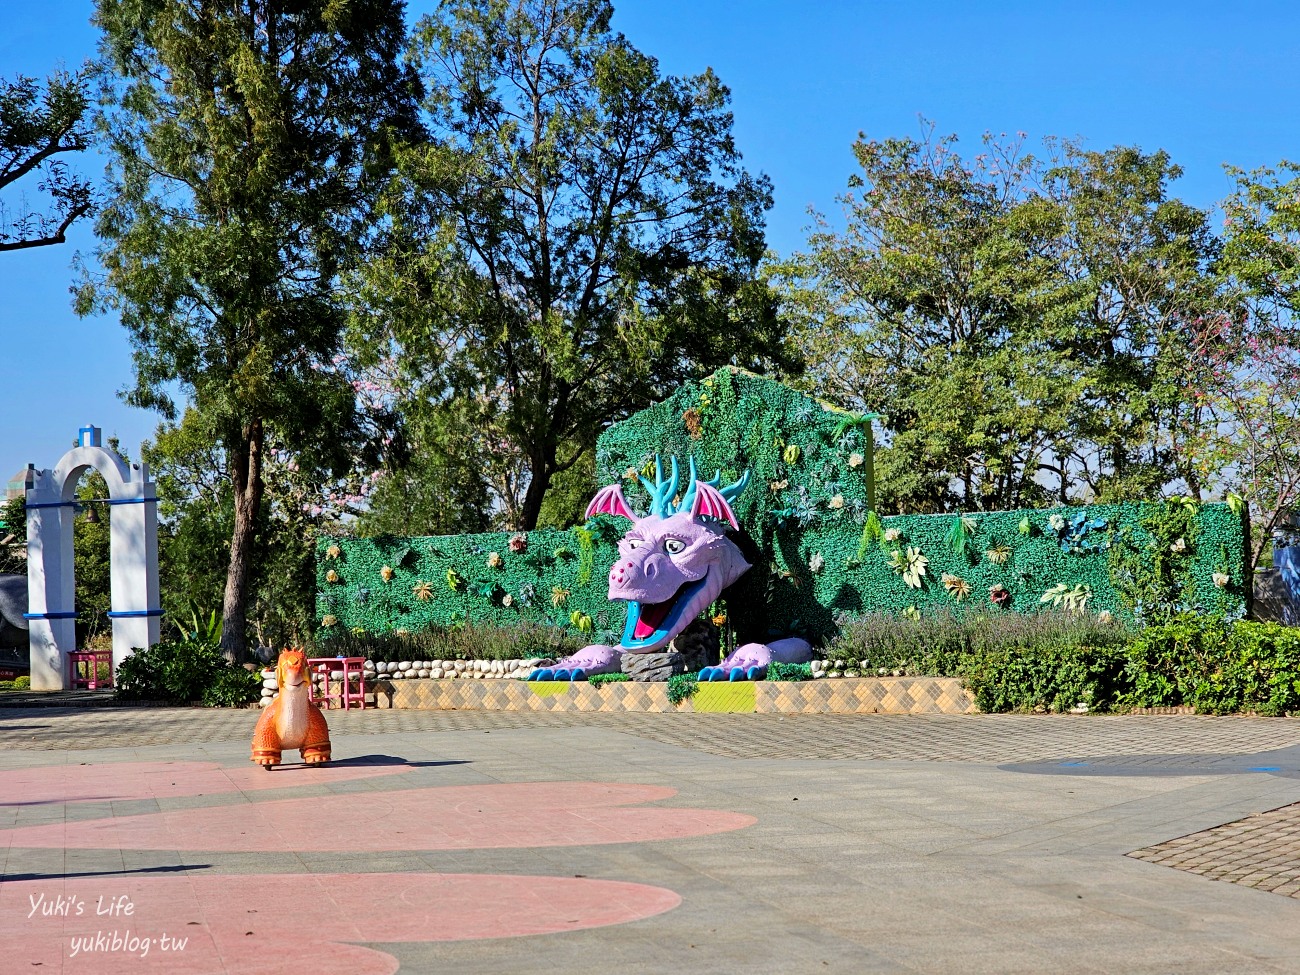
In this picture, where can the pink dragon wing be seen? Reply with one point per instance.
(610, 501)
(710, 503)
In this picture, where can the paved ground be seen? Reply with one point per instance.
(506, 842)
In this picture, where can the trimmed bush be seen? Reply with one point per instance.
(779, 671)
(184, 672)
(1217, 666)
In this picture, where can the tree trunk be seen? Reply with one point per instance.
(537, 488)
(246, 477)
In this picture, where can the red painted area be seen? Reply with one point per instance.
(523, 814)
(274, 924)
(159, 780)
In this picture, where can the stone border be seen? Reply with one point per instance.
(864, 695)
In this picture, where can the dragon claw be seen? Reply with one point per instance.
(755, 673)
(578, 674)
(546, 673)
(736, 674)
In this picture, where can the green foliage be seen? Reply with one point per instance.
(23, 683)
(872, 532)
(599, 679)
(1071, 599)
(586, 555)
(232, 687)
(1044, 289)
(1152, 564)
(248, 143)
(582, 238)
(682, 686)
(1010, 662)
(13, 557)
(184, 672)
(1218, 666)
(961, 537)
(1051, 678)
(90, 547)
(38, 124)
(779, 671)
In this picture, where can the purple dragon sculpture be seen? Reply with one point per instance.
(672, 564)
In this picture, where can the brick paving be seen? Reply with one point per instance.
(894, 844)
(1261, 851)
(1131, 742)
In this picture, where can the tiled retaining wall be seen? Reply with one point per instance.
(862, 695)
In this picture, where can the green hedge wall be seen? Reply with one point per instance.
(816, 551)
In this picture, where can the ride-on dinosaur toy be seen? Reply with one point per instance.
(291, 720)
(672, 564)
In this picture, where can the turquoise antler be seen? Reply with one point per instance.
(662, 492)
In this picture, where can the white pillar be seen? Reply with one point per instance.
(133, 559)
(51, 589)
(133, 567)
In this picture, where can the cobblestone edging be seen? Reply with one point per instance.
(866, 695)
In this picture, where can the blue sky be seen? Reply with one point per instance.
(1211, 83)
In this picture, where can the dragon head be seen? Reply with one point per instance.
(291, 668)
(675, 561)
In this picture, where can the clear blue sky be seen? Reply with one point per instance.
(1208, 81)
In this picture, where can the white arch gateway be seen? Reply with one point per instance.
(133, 559)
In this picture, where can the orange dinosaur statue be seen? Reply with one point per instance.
(291, 720)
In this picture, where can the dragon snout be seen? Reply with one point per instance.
(629, 574)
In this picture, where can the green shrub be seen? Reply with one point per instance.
(779, 671)
(183, 672)
(22, 683)
(681, 686)
(949, 644)
(1217, 666)
(1052, 678)
(599, 679)
(232, 687)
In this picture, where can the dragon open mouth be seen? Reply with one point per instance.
(651, 617)
(649, 624)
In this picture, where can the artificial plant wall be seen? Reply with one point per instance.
(818, 552)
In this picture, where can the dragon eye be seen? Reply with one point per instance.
(673, 545)
(633, 543)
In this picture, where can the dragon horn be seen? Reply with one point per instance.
(710, 503)
(732, 491)
(610, 501)
(661, 492)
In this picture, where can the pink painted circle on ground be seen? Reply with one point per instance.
(286, 924)
(160, 780)
(472, 817)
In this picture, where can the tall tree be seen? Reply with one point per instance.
(38, 125)
(248, 139)
(582, 238)
(926, 308)
(1024, 325)
(1249, 380)
(1136, 274)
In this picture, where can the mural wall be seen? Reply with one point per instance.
(818, 552)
